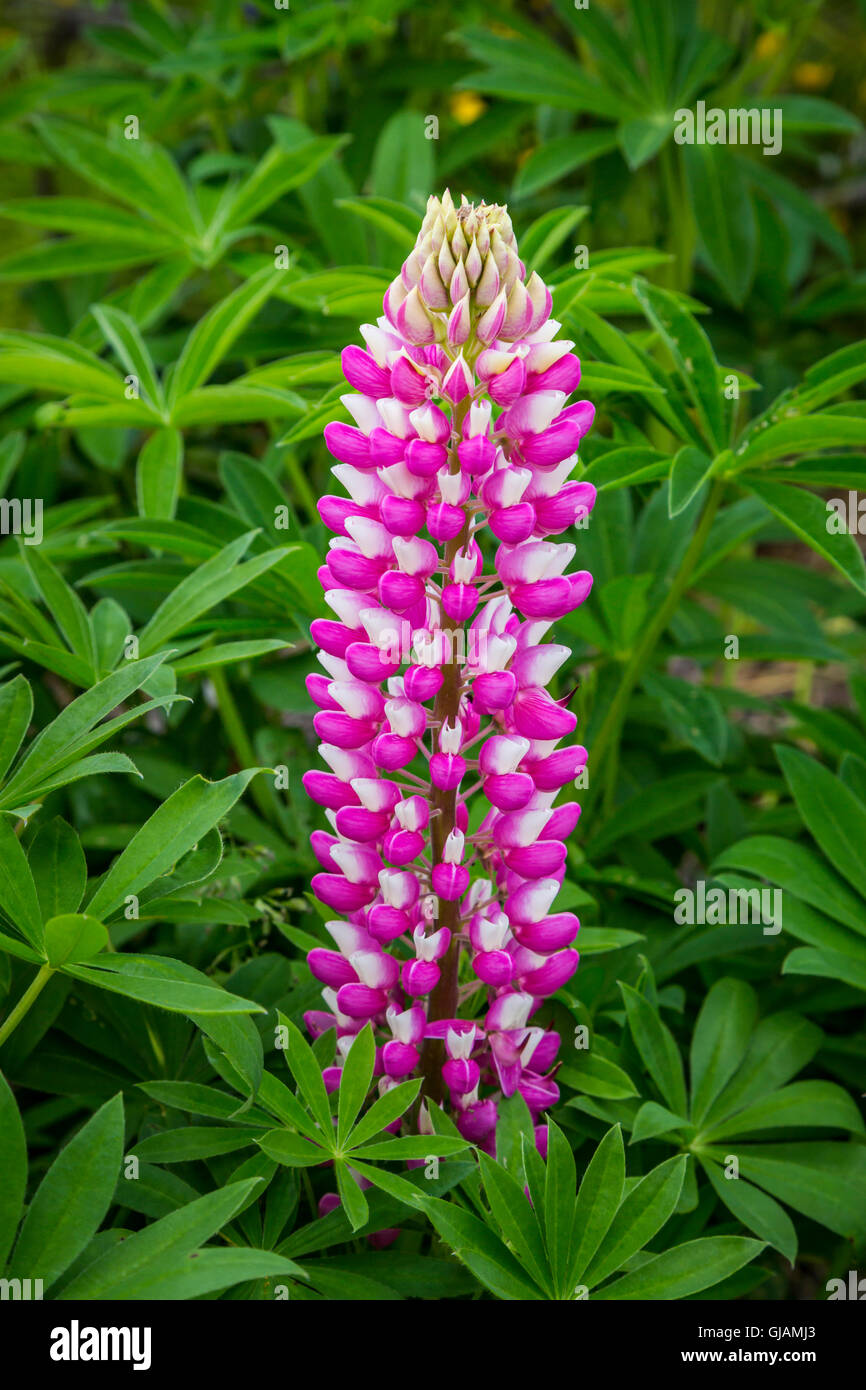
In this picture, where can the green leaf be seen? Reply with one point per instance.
(516, 1219)
(651, 813)
(18, 897)
(807, 516)
(193, 1142)
(652, 1120)
(690, 470)
(725, 216)
(719, 1042)
(72, 1198)
(217, 579)
(124, 335)
(64, 605)
(804, 1104)
(59, 868)
(70, 734)
(158, 474)
(834, 815)
(46, 363)
(402, 167)
(202, 1272)
(798, 871)
(354, 1201)
(308, 1074)
(643, 136)
(543, 238)
(660, 1054)
(598, 1201)
(399, 223)
(780, 1046)
(166, 983)
(693, 358)
(128, 1270)
(137, 172)
(412, 1146)
(826, 430)
(355, 1081)
(480, 1250)
(291, 1149)
(194, 1099)
(596, 1076)
(828, 964)
(559, 1206)
(693, 713)
(215, 334)
(555, 159)
(825, 1182)
(173, 829)
(686, 1269)
(73, 937)
(645, 1210)
(278, 171)
(754, 1209)
(13, 1166)
(16, 712)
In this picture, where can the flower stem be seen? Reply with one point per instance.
(239, 740)
(443, 999)
(27, 1000)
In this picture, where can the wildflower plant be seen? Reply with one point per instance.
(445, 748)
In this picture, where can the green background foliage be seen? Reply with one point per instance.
(200, 203)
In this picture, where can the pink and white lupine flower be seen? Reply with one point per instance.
(444, 582)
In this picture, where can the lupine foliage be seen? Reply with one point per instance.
(200, 208)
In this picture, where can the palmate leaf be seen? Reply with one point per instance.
(138, 173)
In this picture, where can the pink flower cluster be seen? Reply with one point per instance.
(444, 746)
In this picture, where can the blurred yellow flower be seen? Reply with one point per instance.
(813, 77)
(769, 43)
(466, 107)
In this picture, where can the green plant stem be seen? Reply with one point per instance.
(680, 220)
(301, 485)
(26, 1002)
(237, 736)
(608, 734)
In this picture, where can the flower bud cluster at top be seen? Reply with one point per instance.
(447, 848)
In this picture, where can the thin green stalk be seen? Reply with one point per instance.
(26, 1002)
(240, 742)
(303, 490)
(680, 220)
(611, 726)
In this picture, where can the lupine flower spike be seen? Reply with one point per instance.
(445, 750)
